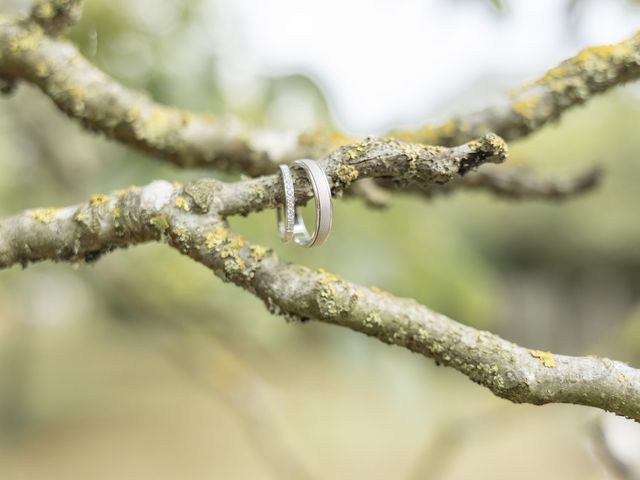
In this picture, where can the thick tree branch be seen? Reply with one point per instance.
(508, 370)
(406, 165)
(131, 216)
(594, 70)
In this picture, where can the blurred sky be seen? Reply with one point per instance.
(384, 62)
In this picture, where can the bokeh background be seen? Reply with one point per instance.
(146, 366)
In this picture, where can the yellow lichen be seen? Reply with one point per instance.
(134, 113)
(326, 277)
(379, 291)
(230, 252)
(185, 118)
(160, 222)
(234, 244)
(373, 320)
(622, 378)
(182, 203)
(323, 140)
(347, 174)
(121, 193)
(44, 10)
(546, 358)
(117, 213)
(26, 40)
(81, 216)
(258, 251)
(181, 234)
(156, 123)
(43, 215)
(217, 237)
(42, 70)
(76, 97)
(525, 107)
(98, 199)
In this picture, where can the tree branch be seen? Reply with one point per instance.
(103, 105)
(592, 71)
(85, 231)
(517, 183)
(190, 219)
(190, 139)
(55, 16)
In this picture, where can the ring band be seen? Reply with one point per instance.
(285, 228)
(322, 194)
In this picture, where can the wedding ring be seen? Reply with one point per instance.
(285, 228)
(322, 195)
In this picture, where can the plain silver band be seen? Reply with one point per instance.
(322, 194)
(285, 229)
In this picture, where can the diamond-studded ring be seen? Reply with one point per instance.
(285, 228)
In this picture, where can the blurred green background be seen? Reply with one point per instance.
(146, 366)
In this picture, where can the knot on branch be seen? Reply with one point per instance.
(55, 16)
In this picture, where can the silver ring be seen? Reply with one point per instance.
(285, 229)
(322, 194)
